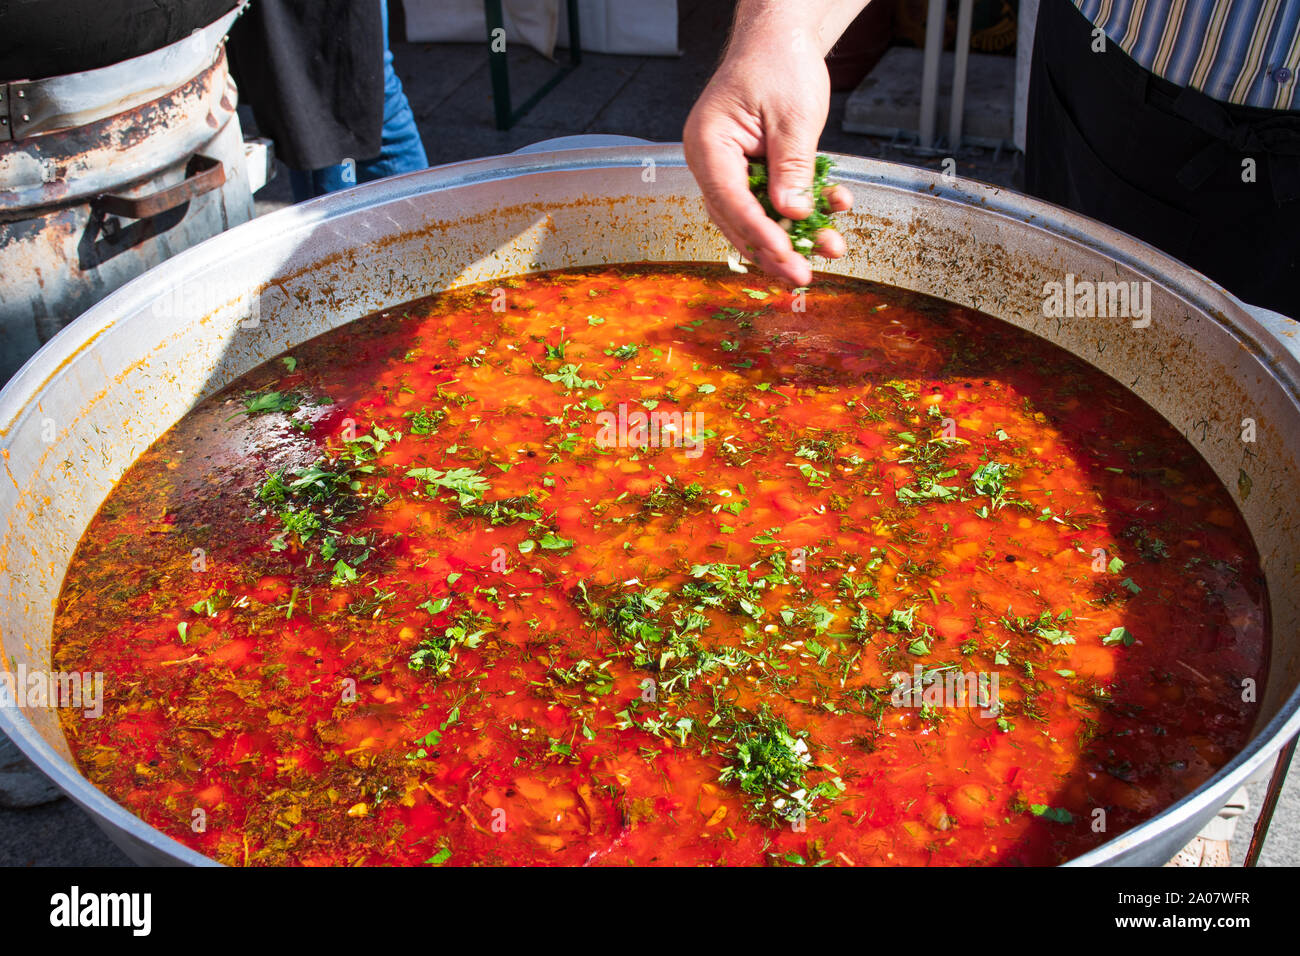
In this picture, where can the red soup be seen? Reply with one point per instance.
(664, 565)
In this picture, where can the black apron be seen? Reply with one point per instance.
(42, 38)
(313, 72)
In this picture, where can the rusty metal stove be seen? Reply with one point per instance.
(104, 174)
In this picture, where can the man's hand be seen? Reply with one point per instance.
(769, 98)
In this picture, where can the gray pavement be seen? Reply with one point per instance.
(450, 93)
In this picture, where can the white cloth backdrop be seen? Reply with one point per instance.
(643, 27)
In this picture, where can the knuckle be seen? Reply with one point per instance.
(791, 167)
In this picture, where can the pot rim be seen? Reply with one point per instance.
(1283, 366)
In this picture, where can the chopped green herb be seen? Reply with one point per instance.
(803, 232)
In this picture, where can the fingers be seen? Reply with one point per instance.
(830, 244)
(792, 268)
(791, 149)
(722, 171)
(717, 144)
(840, 199)
(783, 262)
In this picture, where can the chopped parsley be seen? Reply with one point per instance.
(803, 232)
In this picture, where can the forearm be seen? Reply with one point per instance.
(759, 23)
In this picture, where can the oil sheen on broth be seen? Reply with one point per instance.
(663, 565)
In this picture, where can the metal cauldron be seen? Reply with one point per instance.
(80, 412)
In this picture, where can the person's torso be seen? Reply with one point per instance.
(1236, 51)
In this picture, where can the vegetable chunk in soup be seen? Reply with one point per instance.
(663, 565)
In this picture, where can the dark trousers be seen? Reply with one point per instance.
(1110, 140)
(401, 150)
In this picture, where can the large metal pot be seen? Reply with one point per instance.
(96, 396)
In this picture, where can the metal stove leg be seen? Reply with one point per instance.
(1275, 784)
(506, 114)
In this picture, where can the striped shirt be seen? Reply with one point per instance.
(1237, 51)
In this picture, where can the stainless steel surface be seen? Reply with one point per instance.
(59, 102)
(83, 409)
(581, 141)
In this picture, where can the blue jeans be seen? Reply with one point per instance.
(401, 149)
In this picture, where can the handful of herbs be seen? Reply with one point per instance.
(803, 233)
